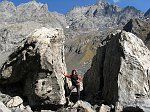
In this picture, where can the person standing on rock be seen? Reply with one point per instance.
(75, 79)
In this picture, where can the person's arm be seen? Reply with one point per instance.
(80, 77)
(66, 75)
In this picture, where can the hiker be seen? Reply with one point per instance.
(75, 79)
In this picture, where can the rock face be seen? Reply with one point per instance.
(16, 22)
(141, 28)
(85, 106)
(147, 14)
(34, 70)
(121, 68)
(93, 75)
(3, 108)
(14, 102)
(104, 108)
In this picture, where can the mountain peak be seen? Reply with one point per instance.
(101, 2)
(6, 2)
(7, 6)
(131, 8)
(33, 2)
(32, 5)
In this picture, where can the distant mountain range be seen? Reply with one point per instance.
(97, 16)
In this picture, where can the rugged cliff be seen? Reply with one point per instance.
(120, 72)
(34, 70)
(141, 28)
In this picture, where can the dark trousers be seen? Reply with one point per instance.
(78, 90)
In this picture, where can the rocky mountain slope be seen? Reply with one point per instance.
(100, 16)
(81, 49)
(90, 26)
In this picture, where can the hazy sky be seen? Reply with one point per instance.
(62, 6)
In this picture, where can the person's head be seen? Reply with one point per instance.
(74, 72)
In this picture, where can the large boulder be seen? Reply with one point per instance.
(122, 70)
(104, 108)
(34, 70)
(14, 102)
(3, 108)
(85, 106)
(16, 22)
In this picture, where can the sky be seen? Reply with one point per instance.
(63, 6)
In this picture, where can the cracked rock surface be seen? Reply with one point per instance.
(34, 70)
(120, 71)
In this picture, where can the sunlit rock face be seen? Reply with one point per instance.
(35, 68)
(120, 70)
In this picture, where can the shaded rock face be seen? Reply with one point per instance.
(122, 74)
(140, 28)
(34, 70)
(93, 75)
(147, 14)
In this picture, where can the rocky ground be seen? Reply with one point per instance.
(102, 41)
